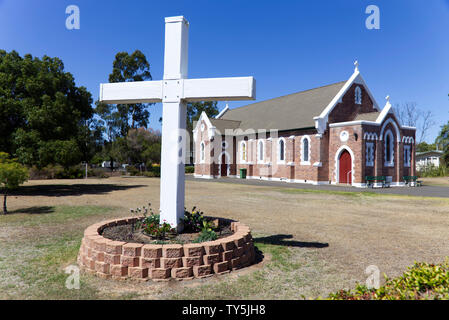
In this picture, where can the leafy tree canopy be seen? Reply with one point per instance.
(443, 142)
(41, 109)
(424, 146)
(116, 119)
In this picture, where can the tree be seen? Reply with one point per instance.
(144, 146)
(134, 67)
(424, 146)
(41, 108)
(410, 115)
(12, 174)
(443, 142)
(117, 120)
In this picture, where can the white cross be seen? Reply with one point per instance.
(174, 92)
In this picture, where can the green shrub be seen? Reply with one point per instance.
(431, 171)
(193, 221)
(97, 173)
(151, 226)
(420, 281)
(206, 235)
(132, 170)
(56, 172)
(155, 169)
(190, 169)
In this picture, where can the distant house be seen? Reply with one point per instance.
(107, 164)
(428, 158)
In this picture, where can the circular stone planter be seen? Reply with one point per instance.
(122, 260)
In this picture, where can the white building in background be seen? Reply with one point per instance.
(428, 158)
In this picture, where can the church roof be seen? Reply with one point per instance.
(293, 111)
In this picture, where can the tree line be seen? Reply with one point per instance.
(47, 120)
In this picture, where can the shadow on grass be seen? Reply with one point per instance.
(34, 210)
(279, 239)
(62, 190)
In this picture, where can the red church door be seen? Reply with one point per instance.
(345, 174)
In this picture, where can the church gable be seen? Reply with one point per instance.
(355, 103)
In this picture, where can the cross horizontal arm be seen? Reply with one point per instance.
(131, 92)
(220, 89)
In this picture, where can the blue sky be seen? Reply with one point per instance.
(288, 46)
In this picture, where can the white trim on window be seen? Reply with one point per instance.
(260, 151)
(281, 161)
(389, 162)
(407, 156)
(358, 95)
(305, 161)
(202, 152)
(369, 154)
(243, 152)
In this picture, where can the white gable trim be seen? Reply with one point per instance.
(322, 120)
(222, 112)
(210, 128)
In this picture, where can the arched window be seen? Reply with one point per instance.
(243, 153)
(305, 150)
(202, 152)
(358, 95)
(305, 146)
(261, 151)
(389, 149)
(281, 146)
(407, 156)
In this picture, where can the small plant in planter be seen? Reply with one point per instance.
(206, 235)
(156, 230)
(195, 221)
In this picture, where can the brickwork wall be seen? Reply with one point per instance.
(347, 109)
(121, 260)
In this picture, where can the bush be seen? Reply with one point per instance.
(152, 171)
(206, 235)
(56, 172)
(97, 172)
(190, 169)
(421, 281)
(433, 171)
(151, 226)
(193, 221)
(132, 170)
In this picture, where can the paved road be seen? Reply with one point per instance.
(424, 191)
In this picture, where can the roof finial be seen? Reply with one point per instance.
(387, 98)
(356, 64)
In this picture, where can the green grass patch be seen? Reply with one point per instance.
(288, 274)
(34, 216)
(33, 265)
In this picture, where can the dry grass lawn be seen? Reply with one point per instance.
(437, 181)
(313, 242)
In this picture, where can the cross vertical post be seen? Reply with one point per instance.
(174, 121)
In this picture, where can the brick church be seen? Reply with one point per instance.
(335, 134)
